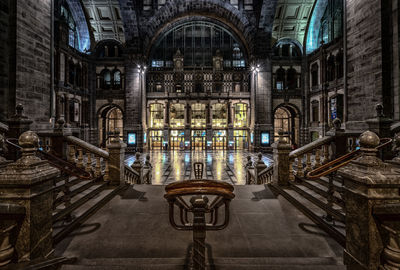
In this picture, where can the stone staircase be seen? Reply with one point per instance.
(264, 233)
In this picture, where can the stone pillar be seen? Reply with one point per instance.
(381, 126)
(28, 182)
(281, 150)
(368, 183)
(116, 161)
(137, 166)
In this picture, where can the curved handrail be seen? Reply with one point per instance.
(87, 146)
(57, 162)
(336, 164)
(199, 187)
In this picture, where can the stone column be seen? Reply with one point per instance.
(281, 161)
(28, 182)
(116, 161)
(368, 183)
(67, 113)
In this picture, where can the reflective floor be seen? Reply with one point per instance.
(171, 166)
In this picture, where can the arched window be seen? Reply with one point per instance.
(292, 78)
(73, 38)
(198, 115)
(156, 115)
(339, 65)
(287, 47)
(314, 74)
(106, 79)
(177, 116)
(280, 79)
(198, 41)
(219, 115)
(117, 79)
(240, 115)
(71, 73)
(330, 69)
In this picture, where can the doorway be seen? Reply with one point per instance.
(241, 139)
(219, 140)
(198, 140)
(286, 118)
(156, 139)
(177, 140)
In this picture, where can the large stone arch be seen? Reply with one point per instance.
(176, 10)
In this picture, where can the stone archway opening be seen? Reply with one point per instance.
(286, 118)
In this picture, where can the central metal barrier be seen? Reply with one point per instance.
(178, 194)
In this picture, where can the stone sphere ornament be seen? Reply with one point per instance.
(369, 140)
(28, 139)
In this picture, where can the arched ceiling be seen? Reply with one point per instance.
(291, 19)
(105, 19)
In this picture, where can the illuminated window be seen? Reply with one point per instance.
(156, 115)
(198, 115)
(177, 116)
(240, 115)
(219, 115)
(198, 41)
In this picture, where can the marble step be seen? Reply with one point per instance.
(300, 263)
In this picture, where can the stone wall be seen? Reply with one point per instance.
(364, 60)
(32, 60)
(4, 57)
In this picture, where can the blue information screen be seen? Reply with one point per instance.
(131, 138)
(264, 138)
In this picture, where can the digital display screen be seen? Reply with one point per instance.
(252, 138)
(264, 138)
(144, 138)
(131, 138)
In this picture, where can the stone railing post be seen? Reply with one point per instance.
(28, 182)
(17, 124)
(137, 166)
(281, 161)
(368, 182)
(116, 162)
(381, 126)
(259, 166)
(147, 171)
(3, 130)
(248, 166)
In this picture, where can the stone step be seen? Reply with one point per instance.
(301, 263)
(81, 214)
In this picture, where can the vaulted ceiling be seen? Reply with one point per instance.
(105, 19)
(291, 18)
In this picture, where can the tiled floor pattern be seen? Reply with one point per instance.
(171, 166)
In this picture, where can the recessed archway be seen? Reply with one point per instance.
(287, 120)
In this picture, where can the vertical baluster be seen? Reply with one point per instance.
(326, 154)
(89, 162)
(71, 153)
(98, 167)
(308, 162)
(107, 172)
(80, 158)
(291, 175)
(48, 144)
(300, 172)
(317, 158)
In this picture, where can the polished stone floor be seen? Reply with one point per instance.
(171, 166)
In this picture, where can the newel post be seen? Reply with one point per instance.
(368, 183)
(116, 161)
(28, 183)
(281, 151)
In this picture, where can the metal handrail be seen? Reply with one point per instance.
(336, 164)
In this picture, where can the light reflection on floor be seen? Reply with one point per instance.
(171, 166)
